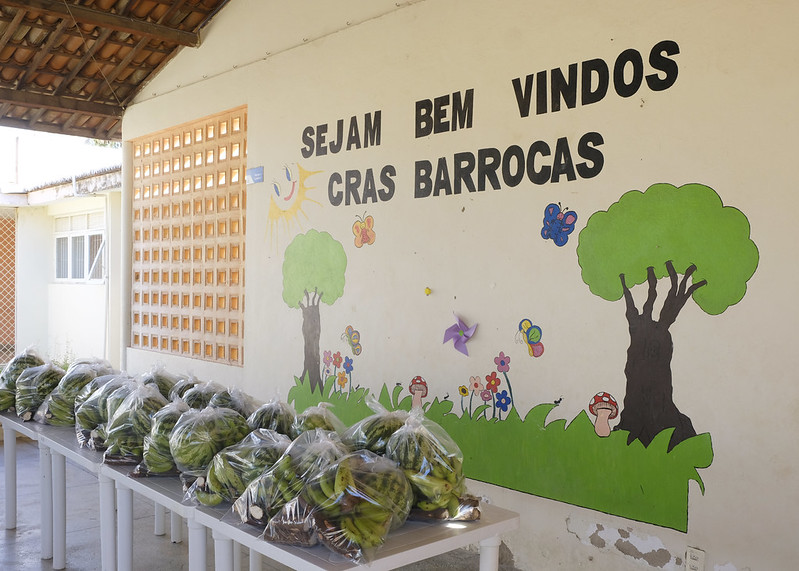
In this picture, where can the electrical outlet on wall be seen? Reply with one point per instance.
(694, 559)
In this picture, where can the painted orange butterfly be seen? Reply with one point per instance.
(363, 230)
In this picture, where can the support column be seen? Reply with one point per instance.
(223, 552)
(160, 517)
(124, 528)
(108, 523)
(46, 498)
(255, 560)
(59, 510)
(197, 545)
(489, 554)
(176, 527)
(10, 459)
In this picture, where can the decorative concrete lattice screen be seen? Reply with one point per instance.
(188, 239)
(8, 233)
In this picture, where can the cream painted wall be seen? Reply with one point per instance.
(728, 122)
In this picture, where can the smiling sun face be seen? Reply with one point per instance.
(289, 193)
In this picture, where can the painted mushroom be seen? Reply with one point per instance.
(418, 389)
(605, 408)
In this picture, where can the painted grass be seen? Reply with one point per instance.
(556, 460)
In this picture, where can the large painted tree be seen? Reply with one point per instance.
(687, 236)
(313, 272)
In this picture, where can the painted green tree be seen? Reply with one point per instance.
(702, 247)
(313, 273)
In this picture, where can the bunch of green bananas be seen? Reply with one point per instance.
(131, 422)
(308, 454)
(358, 501)
(317, 417)
(163, 379)
(434, 468)
(181, 386)
(275, 415)
(236, 399)
(234, 467)
(200, 395)
(33, 386)
(156, 457)
(11, 372)
(200, 434)
(59, 406)
(372, 433)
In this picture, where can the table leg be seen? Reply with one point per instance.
(489, 554)
(236, 556)
(108, 522)
(59, 510)
(124, 528)
(46, 496)
(176, 527)
(223, 552)
(255, 560)
(10, 459)
(197, 546)
(160, 517)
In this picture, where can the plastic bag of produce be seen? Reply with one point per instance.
(131, 422)
(161, 378)
(234, 467)
(236, 399)
(319, 416)
(91, 412)
(200, 433)
(156, 457)
(433, 463)
(182, 386)
(59, 406)
(373, 432)
(11, 372)
(201, 394)
(354, 503)
(33, 386)
(274, 415)
(309, 453)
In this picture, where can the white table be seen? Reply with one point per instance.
(413, 542)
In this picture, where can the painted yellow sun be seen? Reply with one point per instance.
(288, 197)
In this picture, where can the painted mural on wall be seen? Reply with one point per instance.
(631, 455)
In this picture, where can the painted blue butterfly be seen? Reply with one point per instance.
(558, 224)
(353, 337)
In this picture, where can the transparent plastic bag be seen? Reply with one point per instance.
(373, 432)
(235, 398)
(307, 454)
(163, 379)
(156, 456)
(200, 433)
(274, 415)
(11, 372)
(131, 422)
(234, 467)
(201, 394)
(91, 411)
(354, 503)
(181, 386)
(33, 386)
(58, 407)
(433, 463)
(317, 417)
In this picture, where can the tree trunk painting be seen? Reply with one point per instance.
(311, 328)
(648, 404)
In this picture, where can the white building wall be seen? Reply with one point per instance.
(727, 122)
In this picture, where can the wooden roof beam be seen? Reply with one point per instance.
(108, 20)
(59, 103)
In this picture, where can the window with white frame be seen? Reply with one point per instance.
(80, 247)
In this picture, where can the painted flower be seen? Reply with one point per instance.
(486, 395)
(476, 384)
(328, 371)
(503, 401)
(337, 359)
(342, 379)
(348, 364)
(493, 382)
(502, 362)
(463, 391)
(327, 359)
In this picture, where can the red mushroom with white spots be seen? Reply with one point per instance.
(418, 389)
(605, 408)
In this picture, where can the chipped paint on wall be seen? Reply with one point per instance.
(640, 547)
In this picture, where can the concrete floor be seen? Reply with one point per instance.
(20, 548)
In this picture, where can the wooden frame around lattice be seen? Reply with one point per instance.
(189, 205)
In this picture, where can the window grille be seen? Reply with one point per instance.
(189, 195)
